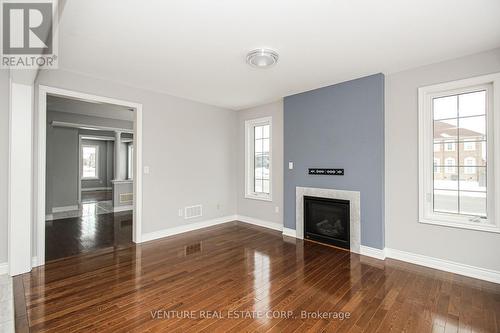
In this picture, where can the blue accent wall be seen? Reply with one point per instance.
(340, 126)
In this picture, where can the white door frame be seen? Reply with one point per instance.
(43, 91)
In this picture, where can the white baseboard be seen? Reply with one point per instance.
(122, 208)
(64, 209)
(88, 189)
(289, 232)
(445, 265)
(4, 268)
(185, 228)
(49, 217)
(260, 223)
(372, 252)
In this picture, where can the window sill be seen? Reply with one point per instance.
(469, 226)
(257, 197)
(91, 178)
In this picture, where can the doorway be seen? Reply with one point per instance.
(89, 184)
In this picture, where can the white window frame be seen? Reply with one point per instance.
(490, 83)
(130, 161)
(96, 161)
(249, 158)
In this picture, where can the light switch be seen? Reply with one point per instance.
(290, 165)
(146, 170)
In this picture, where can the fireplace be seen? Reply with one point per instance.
(327, 220)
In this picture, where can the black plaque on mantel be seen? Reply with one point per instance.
(326, 172)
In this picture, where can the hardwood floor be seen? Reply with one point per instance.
(93, 196)
(71, 236)
(235, 267)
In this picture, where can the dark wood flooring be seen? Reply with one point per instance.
(72, 236)
(93, 196)
(239, 267)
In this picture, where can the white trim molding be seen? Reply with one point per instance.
(64, 209)
(123, 208)
(89, 189)
(289, 232)
(4, 268)
(41, 114)
(445, 265)
(185, 228)
(260, 223)
(372, 252)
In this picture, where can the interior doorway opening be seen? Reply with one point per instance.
(91, 185)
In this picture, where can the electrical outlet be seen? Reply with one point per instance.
(277, 209)
(290, 165)
(219, 206)
(146, 170)
(180, 212)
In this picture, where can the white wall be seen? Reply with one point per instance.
(189, 147)
(258, 209)
(4, 158)
(403, 231)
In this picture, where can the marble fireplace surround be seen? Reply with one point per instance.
(354, 210)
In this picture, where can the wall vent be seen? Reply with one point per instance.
(192, 212)
(126, 198)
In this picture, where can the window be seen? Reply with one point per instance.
(450, 165)
(449, 146)
(258, 158)
(470, 163)
(90, 161)
(437, 163)
(130, 161)
(459, 115)
(469, 145)
(437, 148)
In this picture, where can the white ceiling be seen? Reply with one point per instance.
(101, 110)
(196, 48)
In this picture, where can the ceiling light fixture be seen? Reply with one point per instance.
(262, 58)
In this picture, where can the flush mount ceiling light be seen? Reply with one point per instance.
(262, 58)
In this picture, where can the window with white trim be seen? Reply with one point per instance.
(463, 117)
(90, 162)
(258, 135)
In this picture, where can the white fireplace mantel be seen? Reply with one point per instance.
(354, 210)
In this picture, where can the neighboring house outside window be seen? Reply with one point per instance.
(437, 164)
(469, 146)
(258, 160)
(450, 165)
(449, 146)
(470, 165)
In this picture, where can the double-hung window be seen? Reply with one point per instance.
(459, 184)
(258, 159)
(90, 161)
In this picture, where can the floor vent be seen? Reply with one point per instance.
(192, 212)
(192, 249)
(126, 198)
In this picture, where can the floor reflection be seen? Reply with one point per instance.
(75, 235)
